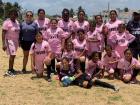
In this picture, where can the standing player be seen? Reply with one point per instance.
(42, 22)
(27, 36)
(99, 23)
(10, 38)
(114, 22)
(66, 24)
(40, 54)
(99, 27)
(55, 37)
(122, 39)
(81, 23)
(93, 40)
(133, 27)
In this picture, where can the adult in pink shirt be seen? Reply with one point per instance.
(55, 37)
(113, 22)
(110, 61)
(81, 23)
(129, 67)
(40, 54)
(66, 24)
(42, 22)
(10, 38)
(122, 39)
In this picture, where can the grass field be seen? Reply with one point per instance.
(27, 90)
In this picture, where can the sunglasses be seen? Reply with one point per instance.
(29, 15)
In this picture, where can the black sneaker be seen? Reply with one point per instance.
(48, 79)
(9, 73)
(24, 71)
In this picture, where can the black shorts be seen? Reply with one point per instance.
(79, 81)
(26, 45)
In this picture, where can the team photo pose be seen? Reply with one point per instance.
(93, 40)
(10, 39)
(122, 39)
(42, 22)
(40, 53)
(113, 22)
(55, 37)
(81, 23)
(80, 48)
(129, 67)
(66, 23)
(28, 30)
(110, 61)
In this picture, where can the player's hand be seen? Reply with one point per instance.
(4, 47)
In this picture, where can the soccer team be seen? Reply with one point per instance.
(77, 50)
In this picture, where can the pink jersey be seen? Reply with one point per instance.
(113, 26)
(122, 41)
(54, 38)
(67, 27)
(12, 29)
(71, 55)
(92, 66)
(84, 25)
(40, 51)
(43, 25)
(93, 46)
(99, 28)
(110, 40)
(126, 67)
(79, 46)
(107, 59)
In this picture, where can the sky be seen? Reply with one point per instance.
(91, 7)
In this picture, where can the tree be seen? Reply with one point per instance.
(71, 13)
(126, 9)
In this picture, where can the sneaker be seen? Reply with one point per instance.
(116, 88)
(9, 73)
(24, 71)
(135, 81)
(48, 79)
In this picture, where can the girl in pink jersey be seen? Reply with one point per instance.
(122, 39)
(81, 23)
(10, 38)
(110, 61)
(99, 23)
(94, 67)
(66, 24)
(99, 27)
(114, 22)
(68, 53)
(93, 40)
(107, 37)
(42, 22)
(129, 67)
(55, 37)
(80, 48)
(40, 54)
